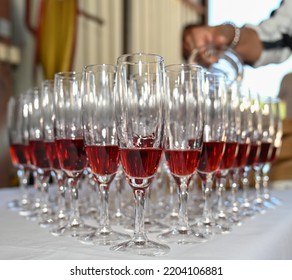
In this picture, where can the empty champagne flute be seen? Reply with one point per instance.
(183, 141)
(101, 145)
(140, 128)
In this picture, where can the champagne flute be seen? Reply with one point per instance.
(251, 126)
(38, 154)
(17, 115)
(276, 147)
(70, 146)
(266, 114)
(233, 133)
(266, 150)
(183, 141)
(214, 138)
(140, 129)
(47, 93)
(101, 145)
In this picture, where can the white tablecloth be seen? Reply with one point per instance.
(266, 237)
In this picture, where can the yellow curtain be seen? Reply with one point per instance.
(55, 36)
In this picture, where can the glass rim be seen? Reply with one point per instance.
(99, 67)
(140, 54)
(187, 66)
(68, 74)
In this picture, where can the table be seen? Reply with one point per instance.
(265, 237)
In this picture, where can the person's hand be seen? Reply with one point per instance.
(199, 37)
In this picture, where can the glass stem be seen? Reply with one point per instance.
(207, 191)
(245, 186)
(104, 213)
(221, 182)
(139, 233)
(234, 189)
(23, 176)
(147, 208)
(44, 180)
(61, 214)
(258, 184)
(118, 196)
(183, 212)
(172, 199)
(75, 215)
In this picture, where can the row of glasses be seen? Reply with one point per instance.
(121, 115)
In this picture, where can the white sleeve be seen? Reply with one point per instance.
(276, 35)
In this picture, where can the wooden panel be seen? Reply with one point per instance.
(6, 170)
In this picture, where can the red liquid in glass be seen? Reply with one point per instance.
(229, 155)
(71, 154)
(211, 156)
(253, 154)
(52, 155)
(242, 154)
(274, 154)
(38, 154)
(103, 160)
(264, 152)
(19, 154)
(140, 162)
(182, 162)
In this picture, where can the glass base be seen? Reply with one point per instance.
(276, 201)
(14, 205)
(221, 218)
(100, 237)
(120, 219)
(187, 236)
(144, 248)
(259, 207)
(73, 230)
(208, 227)
(151, 226)
(247, 210)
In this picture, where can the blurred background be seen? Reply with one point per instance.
(41, 37)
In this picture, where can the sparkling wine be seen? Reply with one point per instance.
(253, 154)
(182, 162)
(211, 156)
(38, 154)
(242, 154)
(140, 162)
(229, 155)
(52, 155)
(72, 156)
(103, 160)
(19, 154)
(264, 152)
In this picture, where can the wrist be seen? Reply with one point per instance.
(235, 31)
(227, 34)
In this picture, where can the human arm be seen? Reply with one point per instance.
(257, 45)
